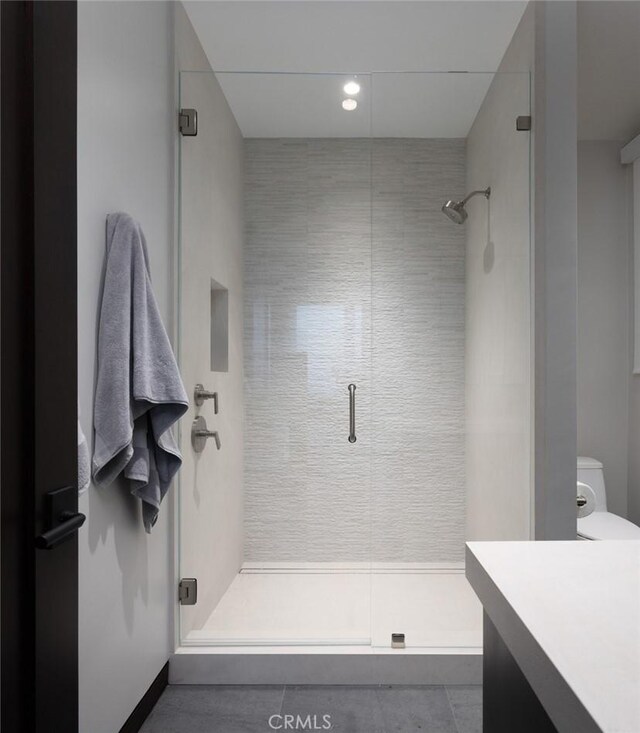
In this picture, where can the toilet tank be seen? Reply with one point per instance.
(590, 472)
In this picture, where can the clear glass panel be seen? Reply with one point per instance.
(276, 524)
(450, 345)
(314, 255)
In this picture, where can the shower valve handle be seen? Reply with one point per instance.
(200, 394)
(200, 434)
(209, 434)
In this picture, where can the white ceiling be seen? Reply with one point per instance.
(608, 70)
(347, 38)
(389, 105)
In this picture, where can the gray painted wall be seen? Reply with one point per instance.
(124, 63)
(553, 65)
(324, 308)
(604, 313)
(633, 496)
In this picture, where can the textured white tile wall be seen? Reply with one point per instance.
(418, 446)
(352, 274)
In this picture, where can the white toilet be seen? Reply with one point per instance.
(601, 524)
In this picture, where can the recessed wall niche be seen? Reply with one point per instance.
(219, 327)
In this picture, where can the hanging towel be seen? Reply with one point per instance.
(139, 392)
(84, 461)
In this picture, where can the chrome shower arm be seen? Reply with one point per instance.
(486, 192)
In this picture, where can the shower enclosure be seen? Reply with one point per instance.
(372, 389)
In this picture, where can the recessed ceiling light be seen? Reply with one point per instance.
(351, 87)
(349, 104)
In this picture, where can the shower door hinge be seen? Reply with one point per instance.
(523, 123)
(188, 591)
(188, 122)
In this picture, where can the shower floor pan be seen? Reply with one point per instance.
(333, 624)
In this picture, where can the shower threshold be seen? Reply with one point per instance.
(332, 623)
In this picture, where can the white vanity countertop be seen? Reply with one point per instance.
(570, 614)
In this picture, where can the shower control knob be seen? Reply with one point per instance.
(200, 434)
(200, 394)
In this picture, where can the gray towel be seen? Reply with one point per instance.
(139, 392)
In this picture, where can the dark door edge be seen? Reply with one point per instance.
(146, 704)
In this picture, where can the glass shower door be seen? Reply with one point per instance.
(450, 346)
(275, 318)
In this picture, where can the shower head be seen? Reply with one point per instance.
(455, 209)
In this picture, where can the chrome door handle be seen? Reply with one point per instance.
(352, 413)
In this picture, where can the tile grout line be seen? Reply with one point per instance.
(453, 712)
(383, 718)
(284, 689)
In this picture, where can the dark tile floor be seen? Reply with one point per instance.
(250, 709)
